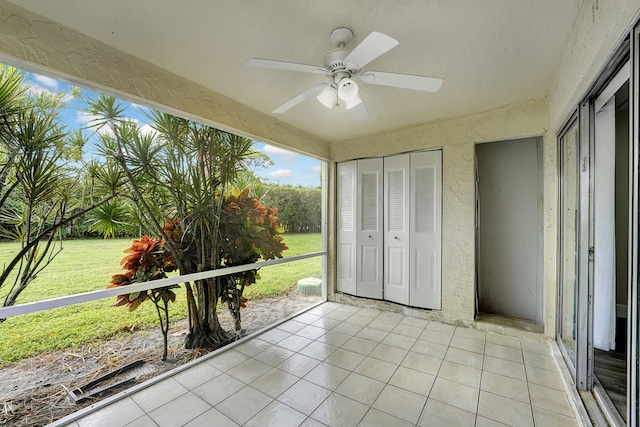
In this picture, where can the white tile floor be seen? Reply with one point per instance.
(340, 365)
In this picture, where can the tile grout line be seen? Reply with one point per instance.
(480, 390)
(526, 376)
(480, 384)
(484, 354)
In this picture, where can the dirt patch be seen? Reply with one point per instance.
(34, 391)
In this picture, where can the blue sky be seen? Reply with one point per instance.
(289, 168)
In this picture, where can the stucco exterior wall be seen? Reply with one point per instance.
(549, 232)
(457, 138)
(27, 38)
(599, 26)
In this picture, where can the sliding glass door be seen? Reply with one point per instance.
(597, 298)
(633, 385)
(568, 248)
(610, 225)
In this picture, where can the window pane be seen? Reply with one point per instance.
(568, 238)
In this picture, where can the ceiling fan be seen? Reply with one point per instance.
(340, 66)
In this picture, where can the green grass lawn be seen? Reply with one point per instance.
(87, 265)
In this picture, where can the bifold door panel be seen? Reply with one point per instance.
(426, 229)
(346, 249)
(396, 237)
(369, 226)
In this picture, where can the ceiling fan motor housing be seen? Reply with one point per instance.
(334, 62)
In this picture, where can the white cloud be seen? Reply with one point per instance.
(89, 120)
(37, 90)
(146, 129)
(287, 156)
(86, 118)
(315, 169)
(44, 86)
(46, 81)
(139, 107)
(68, 97)
(281, 173)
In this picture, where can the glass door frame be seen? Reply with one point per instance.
(584, 346)
(617, 80)
(560, 318)
(583, 357)
(633, 386)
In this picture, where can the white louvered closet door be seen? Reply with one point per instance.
(369, 225)
(426, 230)
(396, 229)
(347, 207)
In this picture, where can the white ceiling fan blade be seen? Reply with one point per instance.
(404, 81)
(298, 99)
(359, 113)
(370, 48)
(286, 66)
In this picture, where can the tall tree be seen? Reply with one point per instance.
(179, 178)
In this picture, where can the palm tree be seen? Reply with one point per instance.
(12, 102)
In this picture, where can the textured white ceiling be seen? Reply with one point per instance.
(490, 53)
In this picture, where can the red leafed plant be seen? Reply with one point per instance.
(147, 260)
(250, 232)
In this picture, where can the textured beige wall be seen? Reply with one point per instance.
(549, 232)
(30, 40)
(599, 26)
(457, 138)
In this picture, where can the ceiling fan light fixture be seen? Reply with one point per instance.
(349, 104)
(347, 89)
(328, 96)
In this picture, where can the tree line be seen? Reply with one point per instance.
(299, 211)
(299, 208)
